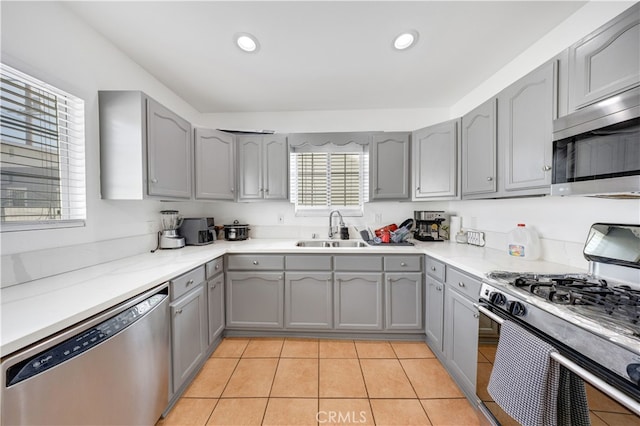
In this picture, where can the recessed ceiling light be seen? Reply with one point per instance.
(405, 40)
(247, 42)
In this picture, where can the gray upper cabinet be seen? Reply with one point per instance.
(263, 171)
(389, 166)
(214, 161)
(145, 149)
(526, 110)
(435, 161)
(479, 142)
(605, 62)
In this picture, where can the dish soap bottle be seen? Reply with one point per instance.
(524, 243)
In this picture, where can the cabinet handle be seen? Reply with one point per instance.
(255, 262)
(179, 311)
(217, 267)
(460, 284)
(418, 189)
(154, 180)
(261, 189)
(433, 268)
(233, 190)
(266, 190)
(476, 315)
(439, 288)
(189, 283)
(403, 264)
(546, 168)
(489, 179)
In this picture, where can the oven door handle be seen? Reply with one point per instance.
(595, 381)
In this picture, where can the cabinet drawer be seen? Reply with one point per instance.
(256, 262)
(402, 263)
(436, 269)
(185, 282)
(308, 263)
(214, 267)
(466, 284)
(358, 263)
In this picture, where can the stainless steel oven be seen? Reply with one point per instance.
(596, 150)
(592, 321)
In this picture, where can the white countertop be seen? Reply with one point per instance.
(35, 310)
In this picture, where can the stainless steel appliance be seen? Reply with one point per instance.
(236, 232)
(110, 370)
(198, 231)
(596, 150)
(431, 225)
(168, 237)
(593, 320)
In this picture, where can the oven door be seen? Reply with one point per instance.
(603, 409)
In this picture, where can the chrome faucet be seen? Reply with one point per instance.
(331, 231)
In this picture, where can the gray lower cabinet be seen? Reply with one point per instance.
(215, 304)
(389, 166)
(526, 110)
(254, 299)
(434, 315)
(479, 155)
(189, 340)
(403, 301)
(308, 300)
(461, 339)
(358, 301)
(605, 62)
(214, 163)
(435, 161)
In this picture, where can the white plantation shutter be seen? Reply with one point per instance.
(324, 181)
(42, 163)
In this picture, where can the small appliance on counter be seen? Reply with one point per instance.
(431, 225)
(236, 232)
(168, 237)
(198, 231)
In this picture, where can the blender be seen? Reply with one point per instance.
(168, 237)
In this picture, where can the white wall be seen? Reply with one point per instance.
(62, 50)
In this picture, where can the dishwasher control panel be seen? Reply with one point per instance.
(81, 343)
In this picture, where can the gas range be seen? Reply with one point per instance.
(592, 320)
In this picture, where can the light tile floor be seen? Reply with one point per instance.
(278, 381)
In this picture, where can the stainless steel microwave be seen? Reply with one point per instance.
(596, 150)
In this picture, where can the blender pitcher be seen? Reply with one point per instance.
(168, 237)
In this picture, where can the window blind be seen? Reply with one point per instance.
(322, 181)
(42, 154)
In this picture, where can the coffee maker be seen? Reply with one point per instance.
(168, 237)
(431, 225)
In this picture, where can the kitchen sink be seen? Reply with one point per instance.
(331, 243)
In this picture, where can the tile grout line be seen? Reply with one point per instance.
(424, 410)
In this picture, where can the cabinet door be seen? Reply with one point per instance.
(479, 150)
(358, 301)
(525, 126)
(461, 339)
(214, 161)
(168, 153)
(390, 166)
(189, 343)
(435, 161)
(215, 299)
(254, 299)
(434, 315)
(605, 62)
(308, 300)
(403, 301)
(250, 168)
(276, 168)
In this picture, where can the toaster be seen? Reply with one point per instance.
(198, 231)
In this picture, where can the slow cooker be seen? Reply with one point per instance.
(236, 232)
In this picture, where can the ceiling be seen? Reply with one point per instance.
(322, 55)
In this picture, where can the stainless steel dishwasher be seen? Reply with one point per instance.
(111, 369)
